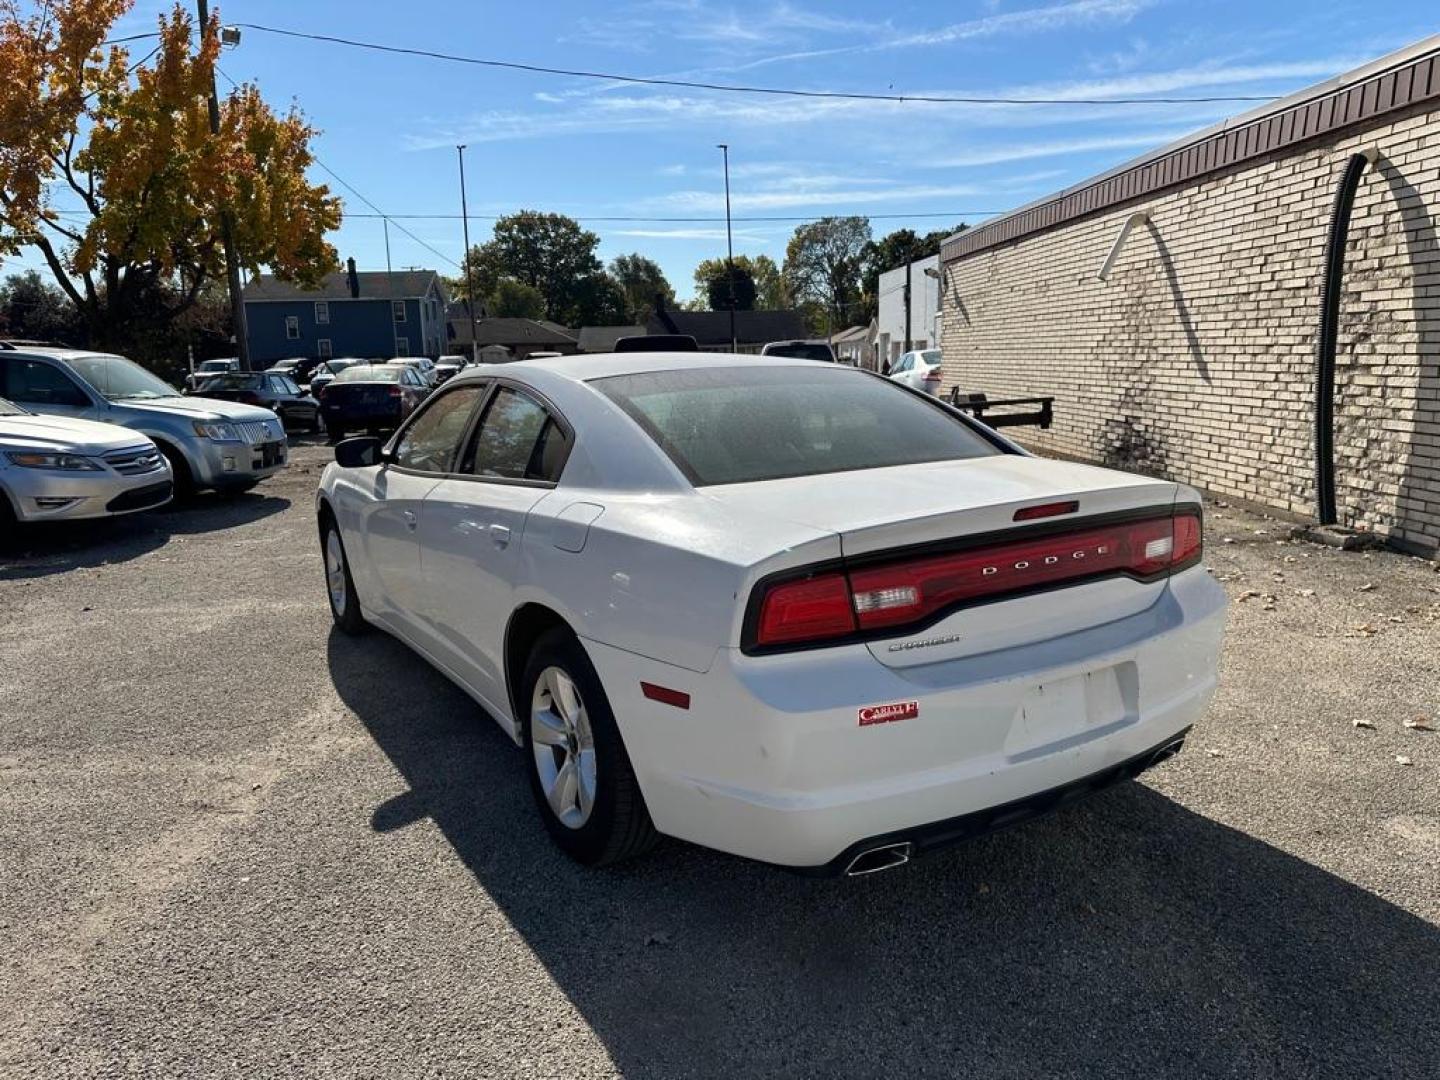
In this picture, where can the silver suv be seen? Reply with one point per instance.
(209, 444)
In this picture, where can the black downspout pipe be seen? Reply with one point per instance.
(1333, 282)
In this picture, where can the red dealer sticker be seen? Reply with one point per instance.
(888, 714)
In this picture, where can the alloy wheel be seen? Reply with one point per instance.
(335, 572)
(563, 747)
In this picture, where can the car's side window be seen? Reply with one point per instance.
(432, 441)
(31, 382)
(517, 440)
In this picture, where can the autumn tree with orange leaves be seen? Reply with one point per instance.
(128, 146)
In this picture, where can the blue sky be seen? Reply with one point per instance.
(389, 124)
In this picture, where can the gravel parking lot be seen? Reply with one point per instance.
(233, 843)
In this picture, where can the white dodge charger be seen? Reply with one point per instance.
(788, 610)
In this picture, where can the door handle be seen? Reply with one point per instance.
(409, 520)
(500, 534)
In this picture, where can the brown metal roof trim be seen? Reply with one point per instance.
(1326, 110)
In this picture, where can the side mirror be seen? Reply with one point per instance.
(358, 453)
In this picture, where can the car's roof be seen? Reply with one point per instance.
(53, 352)
(582, 367)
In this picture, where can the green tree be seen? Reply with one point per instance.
(823, 264)
(770, 292)
(766, 288)
(32, 308)
(131, 146)
(599, 301)
(641, 280)
(515, 300)
(549, 252)
(712, 281)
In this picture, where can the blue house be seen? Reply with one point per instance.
(371, 313)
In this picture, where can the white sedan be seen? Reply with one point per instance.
(920, 370)
(788, 610)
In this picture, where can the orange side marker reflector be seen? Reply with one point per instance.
(665, 695)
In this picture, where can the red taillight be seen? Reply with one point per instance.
(1044, 510)
(806, 610)
(396, 391)
(1189, 539)
(933, 375)
(911, 590)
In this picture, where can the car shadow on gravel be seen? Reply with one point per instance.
(41, 550)
(1124, 936)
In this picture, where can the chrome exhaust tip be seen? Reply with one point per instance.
(873, 860)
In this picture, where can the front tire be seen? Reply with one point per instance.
(580, 774)
(183, 489)
(339, 585)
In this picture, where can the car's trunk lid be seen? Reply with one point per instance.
(910, 508)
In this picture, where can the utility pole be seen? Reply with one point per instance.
(469, 276)
(227, 222)
(729, 248)
(908, 264)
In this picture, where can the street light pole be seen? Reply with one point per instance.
(227, 223)
(469, 276)
(729, 248)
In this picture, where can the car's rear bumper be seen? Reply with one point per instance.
(353, 416)
(772, 762)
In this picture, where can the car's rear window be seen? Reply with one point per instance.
(801, 350)
(370, 373)
(231, 382)
(736, 425)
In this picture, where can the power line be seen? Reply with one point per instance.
(540, 69)
(384, 216)
(379, 215)
(132, 37)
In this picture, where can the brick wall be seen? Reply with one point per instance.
(1195, 359)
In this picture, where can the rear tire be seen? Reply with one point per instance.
(595, 813)
(339, 585)
(336, 432)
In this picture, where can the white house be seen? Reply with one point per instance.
(924, 279)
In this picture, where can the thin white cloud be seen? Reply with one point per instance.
(646, 27)
(745, 201)
(1021, 22)
(999, 155)
(690, 234)
(637, 109)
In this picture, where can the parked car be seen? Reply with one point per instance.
(447, 367)
(208, 368)
(53, 468)
(278, 393)
(423, 366)
(801, 350)
(373, 397)
(208, 444)
(919, 370)
(298, 368)
(322, 376)
(784, 609)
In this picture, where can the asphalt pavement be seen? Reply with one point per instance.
(235, 843)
